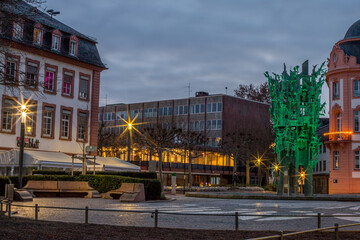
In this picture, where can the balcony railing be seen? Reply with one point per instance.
(338, 136)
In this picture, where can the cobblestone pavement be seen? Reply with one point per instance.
(169, 209)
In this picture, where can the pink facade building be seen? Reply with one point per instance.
(343, 80)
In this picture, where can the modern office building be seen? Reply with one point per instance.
(343, 80)
(212, 115)
(53, 69)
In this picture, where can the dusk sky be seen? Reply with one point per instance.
(154, 49)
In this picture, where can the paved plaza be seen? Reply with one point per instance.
(169, 213)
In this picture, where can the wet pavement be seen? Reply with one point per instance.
(265, 212)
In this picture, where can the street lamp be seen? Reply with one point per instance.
(22, 143)
(129, 141)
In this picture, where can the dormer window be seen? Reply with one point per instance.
(18, 29)
(73, 46)
(56, 42)
(38, 34)
(56, 37)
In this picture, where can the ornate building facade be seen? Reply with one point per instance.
(343, 80)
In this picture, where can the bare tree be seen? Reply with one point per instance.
(189, 142)
(236, 145)
(157, 139)
(258, 93)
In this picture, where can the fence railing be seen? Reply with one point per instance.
(6, 207)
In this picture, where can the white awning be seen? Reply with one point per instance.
(37, 158)
(114, 164)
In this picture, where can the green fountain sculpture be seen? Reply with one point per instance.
(295, 111)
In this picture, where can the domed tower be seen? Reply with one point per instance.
(343, 80)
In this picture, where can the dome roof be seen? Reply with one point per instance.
(353, 31)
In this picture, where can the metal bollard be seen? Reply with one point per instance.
(319, 220)
(236, 221)
(281, 233)
(86, 215)
(156, 218)
(336, 231)
(36, 212)
(9, 215)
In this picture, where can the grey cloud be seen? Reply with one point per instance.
(155, 48)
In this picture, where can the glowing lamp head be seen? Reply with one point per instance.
(302, 175)
(23, 114)
(130, 126)
(276, 167)
(258, 160)
(23, 107)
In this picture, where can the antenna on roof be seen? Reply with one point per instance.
(52, 13)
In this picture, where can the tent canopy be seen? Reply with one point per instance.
(58, 159)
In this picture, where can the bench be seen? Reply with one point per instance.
(60, 189)
(128, 192)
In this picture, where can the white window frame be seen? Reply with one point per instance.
(56, 42)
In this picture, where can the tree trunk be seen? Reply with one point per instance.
(234, 171)
(160, 152)
(247, 173)
(190, 173)
(259, 176)
(267, 176)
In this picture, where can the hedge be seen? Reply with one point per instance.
(77, 173)
(101, 183)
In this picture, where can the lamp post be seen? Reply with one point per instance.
(22, 143)
(129, 142)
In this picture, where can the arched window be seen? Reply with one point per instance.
(338, 122)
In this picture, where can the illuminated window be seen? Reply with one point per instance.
(357, 159)
(336, 92)
(336, 160)
(37, 36)
(30, 120)
(357, 88)
(49, 84)
(338, 122)
(356, 121)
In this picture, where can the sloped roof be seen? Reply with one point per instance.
(87, 50)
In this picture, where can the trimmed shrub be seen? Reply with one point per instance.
(105, 183)
(77, 173)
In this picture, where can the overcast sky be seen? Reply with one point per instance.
(155, 48)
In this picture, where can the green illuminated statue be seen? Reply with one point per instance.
(295, 110)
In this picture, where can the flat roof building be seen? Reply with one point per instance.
(212, 115)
